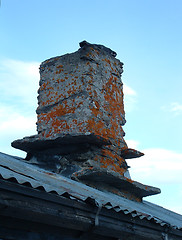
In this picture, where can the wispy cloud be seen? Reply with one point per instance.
(14, 125)
(18, 101)
(19, 81)
(128, 91)
(132, 144)
(157, 166)
(174, 107)
(130, 98)
(14, 122)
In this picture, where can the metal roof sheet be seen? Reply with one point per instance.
(23, 172)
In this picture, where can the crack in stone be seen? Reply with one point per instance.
(115, 75)
(45, 109)
(89, 59)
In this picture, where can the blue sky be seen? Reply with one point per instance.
(147, 36)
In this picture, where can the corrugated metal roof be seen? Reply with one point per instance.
(13, 167)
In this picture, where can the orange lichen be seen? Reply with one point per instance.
(108, 61)
(95, 123)
(97, 52)
(109, 159)
(60, 66)
(114, 107)
(114, 97)
(97, 127)
(129, 180)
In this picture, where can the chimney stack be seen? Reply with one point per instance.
(80, 116)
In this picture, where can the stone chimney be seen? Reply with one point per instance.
(80, 116)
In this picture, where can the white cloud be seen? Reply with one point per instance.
(130, 97)
(174, 107)
(19, 81)
(160, 168)
(132, 144)
(157, 166)
(18, 101)
(14, 125)
(12, 121)
(128, 91)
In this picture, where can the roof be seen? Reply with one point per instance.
(23, 173)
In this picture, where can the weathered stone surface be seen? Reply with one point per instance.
(58, 144)
(82, 93)
(80, 116)
(116, 184)
(130, 153)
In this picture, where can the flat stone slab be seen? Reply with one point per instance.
(131, 153)
(113, 182)
(61, 144)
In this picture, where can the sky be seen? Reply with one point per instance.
(147, 36)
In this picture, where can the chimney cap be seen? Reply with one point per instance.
(98, 46)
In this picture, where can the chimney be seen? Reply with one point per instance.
(80, 116)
